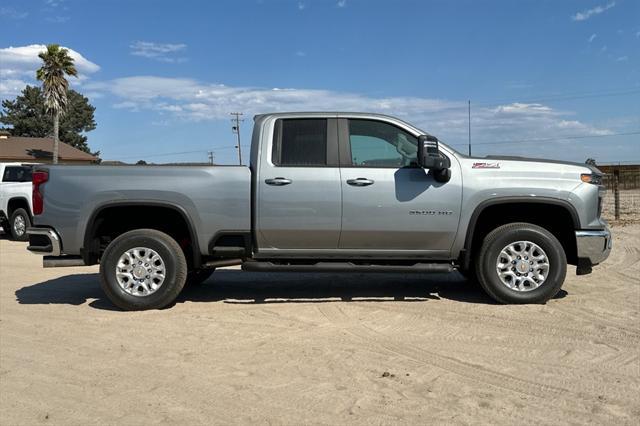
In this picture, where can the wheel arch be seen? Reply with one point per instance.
(473, 234)
(88, 250)
(19, 202)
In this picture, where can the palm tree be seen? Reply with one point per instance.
(57, 64)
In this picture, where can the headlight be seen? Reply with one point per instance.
(591, 178)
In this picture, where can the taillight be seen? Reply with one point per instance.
(38, 178)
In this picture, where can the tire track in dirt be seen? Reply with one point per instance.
(471, 372)
(554, 329)
(624, 258)
(524, 350)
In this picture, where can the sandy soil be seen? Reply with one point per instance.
(321, 349)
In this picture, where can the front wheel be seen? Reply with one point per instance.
(521, 263)
(143, 269)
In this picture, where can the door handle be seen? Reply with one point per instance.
(279, 181)
(360, 182)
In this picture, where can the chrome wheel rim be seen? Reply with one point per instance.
(19, 226)
(140, 271)
(522, 266)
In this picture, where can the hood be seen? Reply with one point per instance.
(593, 169)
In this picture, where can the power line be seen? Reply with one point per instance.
(556, 97)
(569, 96)
(167, 154)
(551, 139)
(163, 154)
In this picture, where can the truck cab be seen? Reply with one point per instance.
(350, 187)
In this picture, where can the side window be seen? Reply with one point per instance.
(378, 144)
(17, 174)
(300, 142)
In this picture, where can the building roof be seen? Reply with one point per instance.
(20, 148)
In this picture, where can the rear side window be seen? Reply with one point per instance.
(17, 174)
(300, 142)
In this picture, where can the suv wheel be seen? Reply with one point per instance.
(18, 224)
(521, 263)
(143, 269)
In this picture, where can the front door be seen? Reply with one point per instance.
(299, 195)
(389, 203)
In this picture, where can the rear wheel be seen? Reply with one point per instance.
(18, 224)
(143, 269)
(521, 263)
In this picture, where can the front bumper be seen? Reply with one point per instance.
(593, 246)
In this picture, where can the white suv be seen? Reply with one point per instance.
(15, 199)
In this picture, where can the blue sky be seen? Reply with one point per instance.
(558, 79)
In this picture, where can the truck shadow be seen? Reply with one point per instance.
(238, 287)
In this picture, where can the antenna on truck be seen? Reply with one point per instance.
(469, 127)
(236, 129)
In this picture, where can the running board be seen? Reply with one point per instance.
(60, 261)
(255, 266)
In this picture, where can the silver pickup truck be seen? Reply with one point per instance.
(325, 192)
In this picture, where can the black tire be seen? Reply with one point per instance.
(198, 276)
(502, 236)
(175, 267)
(19, 214)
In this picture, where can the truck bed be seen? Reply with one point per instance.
(214, 198)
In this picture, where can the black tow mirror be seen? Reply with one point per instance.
(429, 155)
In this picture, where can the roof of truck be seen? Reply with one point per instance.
(323, 113)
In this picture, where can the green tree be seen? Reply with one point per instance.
(56, 65)
(28, 116)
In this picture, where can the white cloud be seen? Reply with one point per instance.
(19, 65)
(593, 37)
(53, 3)
(191, 100)
(301, 5)
(622, 58)
(26, 57)
(301, 53)
(159, 51)
(341, 3)
(11, 13)
(586, 14)
(59, 19)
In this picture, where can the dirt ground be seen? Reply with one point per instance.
(320, 349)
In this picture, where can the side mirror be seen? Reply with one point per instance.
(429, 155)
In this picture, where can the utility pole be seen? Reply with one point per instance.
(469, 103)
(236, 129)
(211, 158)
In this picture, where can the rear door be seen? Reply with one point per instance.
(298, 203)
(389, 203)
